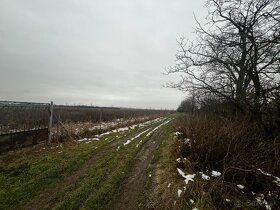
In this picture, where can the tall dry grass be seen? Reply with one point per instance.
(237, 148)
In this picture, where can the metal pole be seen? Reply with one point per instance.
(50, 122)
(100, 118)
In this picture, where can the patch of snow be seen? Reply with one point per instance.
(127, 142)
(276, 179)
(260, 199)
(187, 141)
(216, 173)
(164, 123)
(263, 172)
(192, 201)
(179, 193)
(195, 208)
(178, 160)
(204, 176)
(227, 200)
(150, 175)
(135, 137)
(177, 133)
(60, 152)
(169, 185)
(240, 186)
(187, 178)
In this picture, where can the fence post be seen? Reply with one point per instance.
(50, 122)
(100, 118)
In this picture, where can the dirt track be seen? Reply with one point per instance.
(131, 191)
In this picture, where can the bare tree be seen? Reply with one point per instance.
(236, 55)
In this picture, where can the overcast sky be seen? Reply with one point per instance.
(99, 52)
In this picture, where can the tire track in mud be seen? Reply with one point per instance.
(129, 193)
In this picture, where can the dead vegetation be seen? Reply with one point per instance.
(237, 148)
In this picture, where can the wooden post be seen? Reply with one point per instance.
(50, 122)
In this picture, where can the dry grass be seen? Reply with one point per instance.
(237, 148)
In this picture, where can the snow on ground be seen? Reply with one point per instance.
(135, 137)
(164, 123)
(117, 130)
(126, 143)
(187, 178)
(260, 200)
(276, 179)
(204, 176)
(240, 186)
(179, 193)
(216, 173)
(177, 133)
(88, 140)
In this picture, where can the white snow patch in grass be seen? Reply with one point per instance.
(263, 172)
(169, 185)
(216, 173)
(276, 179)
(135, 137)
(204, 176)
(178, 160)
(260, 199)
(177, 133)
(195, 208)
(187, 178)
(164, 123)
(240, 186)
(127, 142)
(227, 200)
(60, 152)
(179, 193)
(187, 141)
(192, 201)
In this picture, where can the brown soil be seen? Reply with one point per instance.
(133, 188)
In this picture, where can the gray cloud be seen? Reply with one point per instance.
(92, 51)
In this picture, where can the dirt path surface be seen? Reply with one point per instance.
(132, 189)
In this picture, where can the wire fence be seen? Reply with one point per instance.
(27, 123)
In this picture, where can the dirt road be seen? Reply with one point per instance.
(132, 189)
